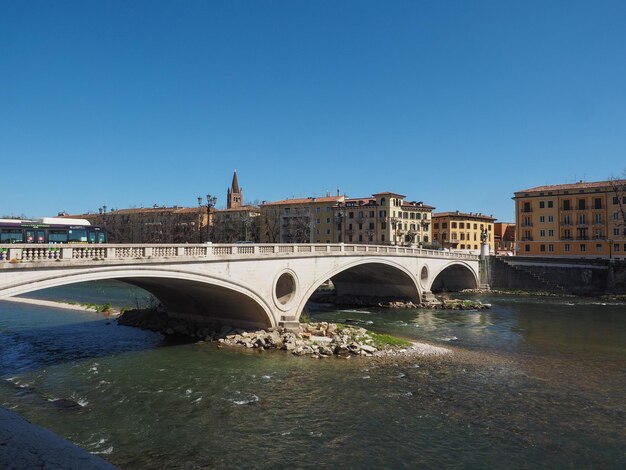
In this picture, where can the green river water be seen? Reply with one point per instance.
(532, 382)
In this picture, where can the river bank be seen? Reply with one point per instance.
(315, 339)
(105, 309)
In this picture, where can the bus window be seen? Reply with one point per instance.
(57, 236)
(30, 236)
(40, 236)
(92, 236)
(11, 235)
(101, 237)
(77, 235)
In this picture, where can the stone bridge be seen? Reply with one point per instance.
(248, 285)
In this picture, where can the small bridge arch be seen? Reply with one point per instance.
(454, 276)
(377, 278)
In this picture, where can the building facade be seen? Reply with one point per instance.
(585, 220)
(504, 237)
(303, 220)
(383, 218)
(463, 231)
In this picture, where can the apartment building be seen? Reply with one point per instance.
(572, 220)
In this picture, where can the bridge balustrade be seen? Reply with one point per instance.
(16, 253)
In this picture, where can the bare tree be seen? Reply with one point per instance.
(270, 224)
(618, 187)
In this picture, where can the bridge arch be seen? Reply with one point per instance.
(198, 297)
(455, 276)
(368, 278)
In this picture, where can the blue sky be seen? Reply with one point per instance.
(454, 103)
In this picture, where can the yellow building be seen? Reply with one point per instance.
(463, 231)
(383, 218)
(572, 220)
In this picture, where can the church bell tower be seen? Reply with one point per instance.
(234, 196)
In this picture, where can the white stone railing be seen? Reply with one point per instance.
(16, 253)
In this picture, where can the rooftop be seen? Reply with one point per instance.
(579, 185)
(465, 215)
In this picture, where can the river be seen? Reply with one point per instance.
(533, 382)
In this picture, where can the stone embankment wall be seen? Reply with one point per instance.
(564, 276)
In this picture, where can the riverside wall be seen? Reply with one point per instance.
(559, 275)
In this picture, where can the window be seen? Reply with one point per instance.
(542, 248)
(436, 225)
(598, 218)
(566, 248)
(598, 247)
(287, 210)
(318, 209)
(566, 220)
(327, 232)
(444, 225)
(382, 237)
(615, 200)
(616, 247)
(327, 220)
(383, 225)
(550, 204)
(583, 247)
(542, 218)
(526, 247)
(566, 205)
(328, 209)
(461, 225)
(527, 222)
(542, 233)
(550, 233)
(615, 231)
(597, 203)
(581, 219)
(581, 204)
(360, 226)
(453, 225)
(475, 226)
(527, 207)
(551, 248)
(350, 215)
(318, 221)
(372, 214)
(360, 238)
(550, 218)
(542, 205)
(371, 225)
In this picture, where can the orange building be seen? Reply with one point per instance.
(585, 220)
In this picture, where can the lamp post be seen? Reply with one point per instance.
(394, 224)
(210, 204)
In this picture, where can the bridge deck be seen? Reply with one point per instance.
(19, 254)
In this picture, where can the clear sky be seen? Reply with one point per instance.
(454, 103)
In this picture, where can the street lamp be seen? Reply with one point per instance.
(394, 224)
(210, 204)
